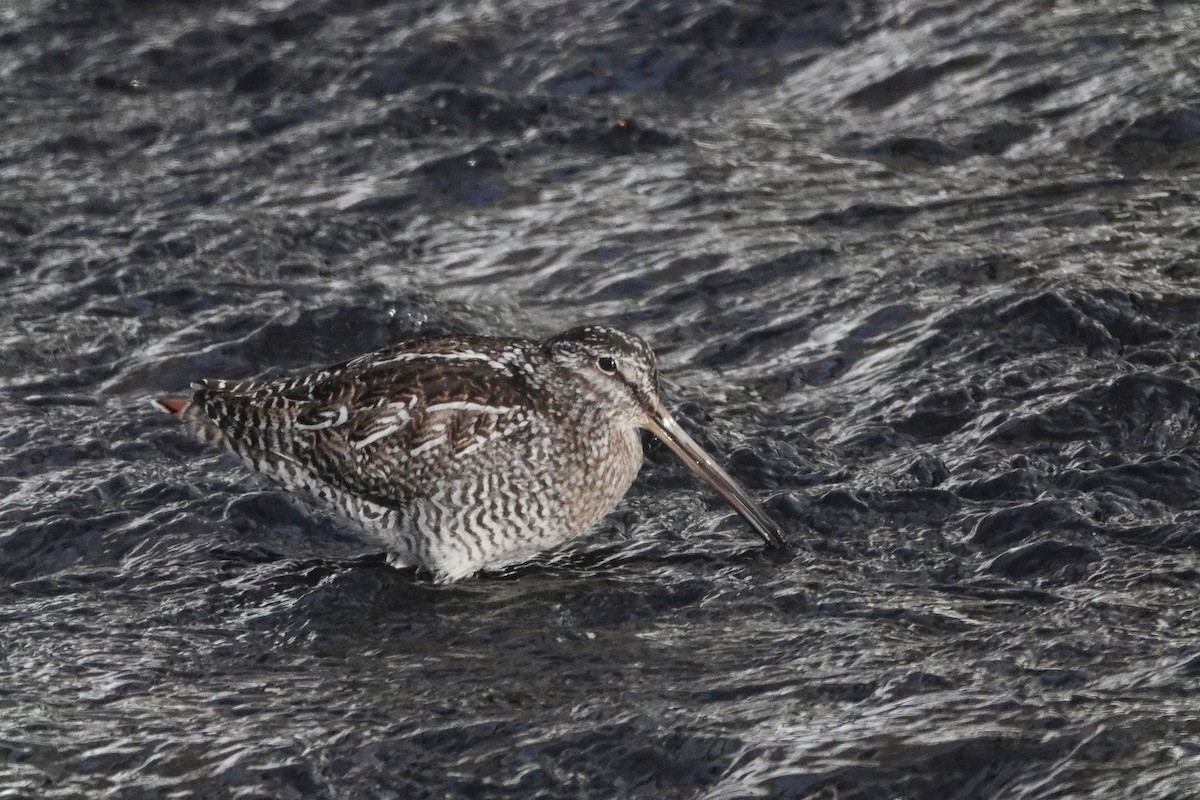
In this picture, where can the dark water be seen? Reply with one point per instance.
(924, 274)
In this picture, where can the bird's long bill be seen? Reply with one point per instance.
(664, 426)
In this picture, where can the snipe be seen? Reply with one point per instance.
(457, 452)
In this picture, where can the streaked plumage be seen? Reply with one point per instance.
(458, 452)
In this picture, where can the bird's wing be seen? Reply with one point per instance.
(393, 432)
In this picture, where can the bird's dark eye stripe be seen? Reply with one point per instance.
(606, 364)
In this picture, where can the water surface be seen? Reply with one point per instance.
(923, 275)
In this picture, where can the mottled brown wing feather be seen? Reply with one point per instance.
(389, 418)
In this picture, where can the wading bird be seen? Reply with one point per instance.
(459, 452)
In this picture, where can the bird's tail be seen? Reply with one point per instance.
(175, 406)
(186, 411)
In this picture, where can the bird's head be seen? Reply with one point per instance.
(618, 366)
(621, 369)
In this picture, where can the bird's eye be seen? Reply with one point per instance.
(607, 365)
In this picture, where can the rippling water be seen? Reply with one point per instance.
(923, 274)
